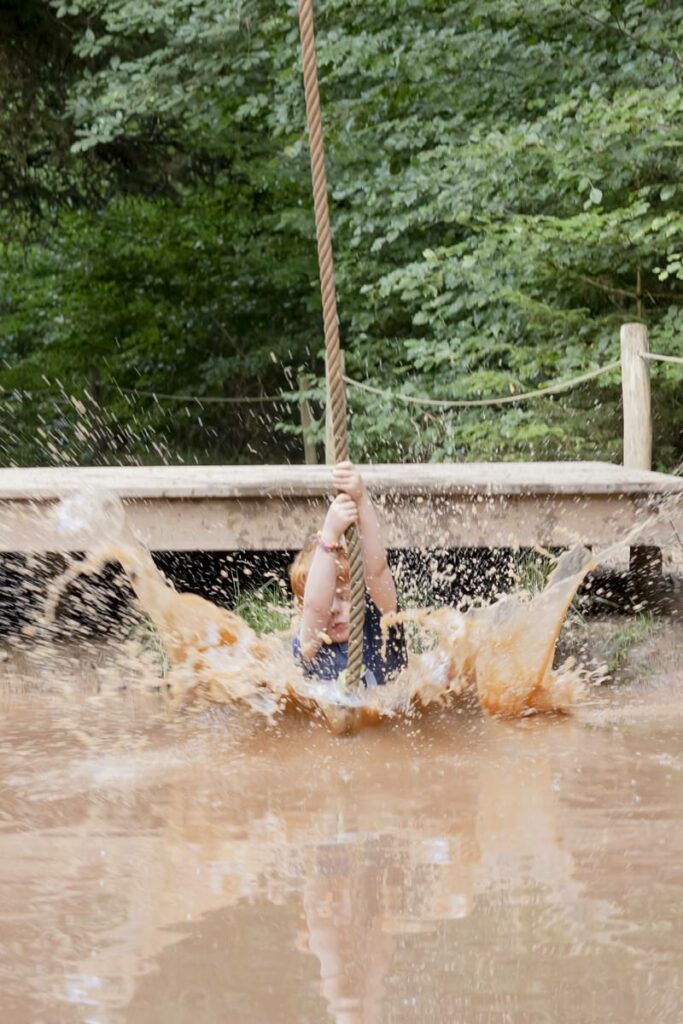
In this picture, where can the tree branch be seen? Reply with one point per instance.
(615, 26)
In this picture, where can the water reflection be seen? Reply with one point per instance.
(468, 869)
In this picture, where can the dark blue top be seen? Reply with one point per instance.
(330, 660)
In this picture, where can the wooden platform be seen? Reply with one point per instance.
(188, 508)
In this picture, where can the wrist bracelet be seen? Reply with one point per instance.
(327, 548)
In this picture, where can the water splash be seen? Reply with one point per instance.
(501, 654)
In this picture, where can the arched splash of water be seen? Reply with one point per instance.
(503, 653)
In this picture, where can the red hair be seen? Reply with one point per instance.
(301, 566)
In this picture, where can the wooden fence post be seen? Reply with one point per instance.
(645, 561)
(635, 385)
(310, 453)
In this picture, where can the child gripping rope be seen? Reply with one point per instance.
(320, 580)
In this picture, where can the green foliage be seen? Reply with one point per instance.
(635, 630)
(506, 191)
(265, 610)
(151, 296)
(144, 634)
(35, 163)
(531, 571)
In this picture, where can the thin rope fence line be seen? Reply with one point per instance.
(10, 395)
(203, 399)
(655, 357)
(459, 403)
(464, 403)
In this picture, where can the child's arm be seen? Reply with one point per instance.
(378, 579)
(322, 577)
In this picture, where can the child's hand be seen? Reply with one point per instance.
(347, 480)
(340, 515)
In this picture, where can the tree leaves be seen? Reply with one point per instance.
(505, 193)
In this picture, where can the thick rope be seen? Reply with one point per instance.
(333, 362)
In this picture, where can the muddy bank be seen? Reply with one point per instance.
(632, 648)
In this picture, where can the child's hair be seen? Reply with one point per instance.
(300, 568)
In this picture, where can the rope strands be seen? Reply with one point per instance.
(656, 357)
(442, 403)
(333, 361)
(468, 403)
(16, 394)
(163, 396)
(439, 403)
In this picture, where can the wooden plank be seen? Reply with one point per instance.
(272, 481)
(187, 508)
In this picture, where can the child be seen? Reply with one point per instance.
(320, 579)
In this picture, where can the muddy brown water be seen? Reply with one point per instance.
(213, 868)
(202, 848)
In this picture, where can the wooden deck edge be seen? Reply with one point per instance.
(447, 480)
